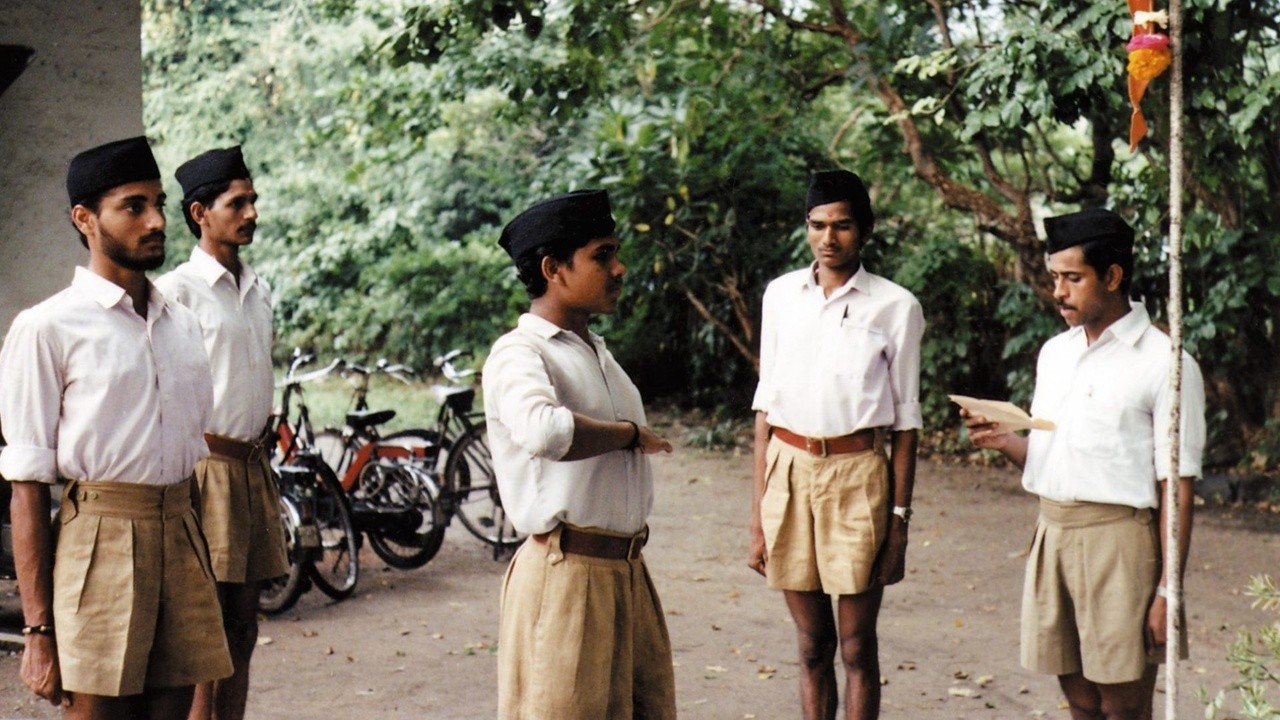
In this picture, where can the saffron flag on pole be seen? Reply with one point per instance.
(1149, 56)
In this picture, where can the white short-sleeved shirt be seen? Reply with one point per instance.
(1110, 402)
(91, 390)
(236, 323)
(535, 378)
(833, 365)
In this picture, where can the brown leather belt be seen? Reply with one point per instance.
(859, 441)
(234, 449)
(609, 547)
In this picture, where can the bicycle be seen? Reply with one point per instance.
(311, 485)
(470, 483)
(302, 538)
(454, 448)
(393, 490)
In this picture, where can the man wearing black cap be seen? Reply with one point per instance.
(1094, 600)
(839, 367)
(105, 385)
(240, 505)
(582, 634)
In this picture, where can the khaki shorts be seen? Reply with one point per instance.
(823, 518)
(582, 638)
(1091, 575)
(135, 604)
(240, 515)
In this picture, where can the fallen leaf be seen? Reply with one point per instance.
(715, 627)
(960, 675)
(733, 594)
(437, 636)
(404, 632)
(309, 633)
(963, 692)
(984, 680)
(265, 640)
(715, 668)
(1023, 690)
(907, 665)
(958, 623)
(328, 650)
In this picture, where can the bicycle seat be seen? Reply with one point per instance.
(360, 419)
(459, 398)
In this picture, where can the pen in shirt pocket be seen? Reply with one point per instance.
(845, 316)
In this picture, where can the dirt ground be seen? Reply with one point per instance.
(420, 644)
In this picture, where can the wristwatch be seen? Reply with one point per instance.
(904, 513)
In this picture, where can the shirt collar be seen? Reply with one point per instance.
(1128, 329)
(861, 281)
(211, 271)
(109, 295)
(546, 329)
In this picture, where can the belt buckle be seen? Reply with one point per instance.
(255, 452)
(821, 443)
(636, 543)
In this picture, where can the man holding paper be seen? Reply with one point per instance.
(839, 368)
(1094, 600)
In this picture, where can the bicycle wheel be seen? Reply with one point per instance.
(281, 593)
(337, 568)
(469, 477)
(404, 487)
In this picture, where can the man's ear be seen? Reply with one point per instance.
(1115, 274)
(84, 219)
(550, 267)
(197, 211)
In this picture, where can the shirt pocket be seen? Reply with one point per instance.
(1097, 430)
(857, 353)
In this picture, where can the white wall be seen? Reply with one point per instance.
(83, 88)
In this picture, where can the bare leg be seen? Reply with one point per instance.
(860, 651)
(1121, 701)
(225, 699)
(816, 633)
(166, 703)
(152, 704)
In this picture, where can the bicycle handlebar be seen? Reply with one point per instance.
(299, 360)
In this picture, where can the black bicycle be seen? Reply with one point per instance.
(311, 488)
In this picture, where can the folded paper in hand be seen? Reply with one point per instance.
(1010, 416)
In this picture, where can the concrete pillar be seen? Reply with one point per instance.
(82, 88)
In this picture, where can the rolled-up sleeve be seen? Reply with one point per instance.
(1192, 431)
(31, 384)
(904, 369)
(526, 401)
(768, 338)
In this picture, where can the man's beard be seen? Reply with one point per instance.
(119, 254)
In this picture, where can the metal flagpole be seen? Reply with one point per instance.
(1173, 569)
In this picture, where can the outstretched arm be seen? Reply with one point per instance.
(988, 435)
(593, 437)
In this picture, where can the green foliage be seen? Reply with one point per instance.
(391, 139)
(1256, 658)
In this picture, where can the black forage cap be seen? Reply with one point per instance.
(842, 186)
(210, 167)
(97, 170)
(569, 220)
(1065, 231)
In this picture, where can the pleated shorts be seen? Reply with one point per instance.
(824, 518)
(240, 516)
(1091, 576)
(135, 604)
